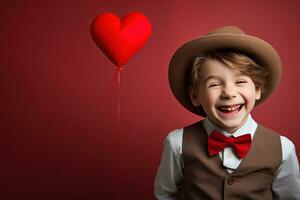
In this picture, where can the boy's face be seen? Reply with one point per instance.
(226, 95)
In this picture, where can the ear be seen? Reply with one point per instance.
(193, 97)
(257, 93)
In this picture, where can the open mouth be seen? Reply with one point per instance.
(230, 109)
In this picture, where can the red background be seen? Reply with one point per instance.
(58, 124)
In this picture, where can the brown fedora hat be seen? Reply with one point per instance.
(229, 37)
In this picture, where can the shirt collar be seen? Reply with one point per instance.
(248, 127)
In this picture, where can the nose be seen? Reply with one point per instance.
(228, 92)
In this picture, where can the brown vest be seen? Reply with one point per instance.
(206, 178)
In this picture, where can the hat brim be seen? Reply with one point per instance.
(257, 49)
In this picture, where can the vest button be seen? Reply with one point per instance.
(230, 181)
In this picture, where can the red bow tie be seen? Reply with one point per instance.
(217, 142)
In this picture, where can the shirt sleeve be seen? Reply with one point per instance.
(286, 184)
(169, 174)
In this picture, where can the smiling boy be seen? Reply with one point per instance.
(226, 95)
(222, 76)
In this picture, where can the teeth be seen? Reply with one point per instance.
(230, 108)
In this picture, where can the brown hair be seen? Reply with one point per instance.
(234, 60)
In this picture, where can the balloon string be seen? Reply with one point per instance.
(117, 85)
(119, 131)
(119, 96)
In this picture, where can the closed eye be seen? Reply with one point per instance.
(241, 82)
(214, 85)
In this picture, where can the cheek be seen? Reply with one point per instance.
(250, 95)
(209, 98)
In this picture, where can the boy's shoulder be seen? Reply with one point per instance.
(174, 135)
(173, 140)
(282, 136)
(178, 132)
(287, 146)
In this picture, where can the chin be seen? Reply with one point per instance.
(231, 129)
(231, 126)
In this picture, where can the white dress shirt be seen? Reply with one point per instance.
(286, 183)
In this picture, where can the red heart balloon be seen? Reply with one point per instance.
(119, 39)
